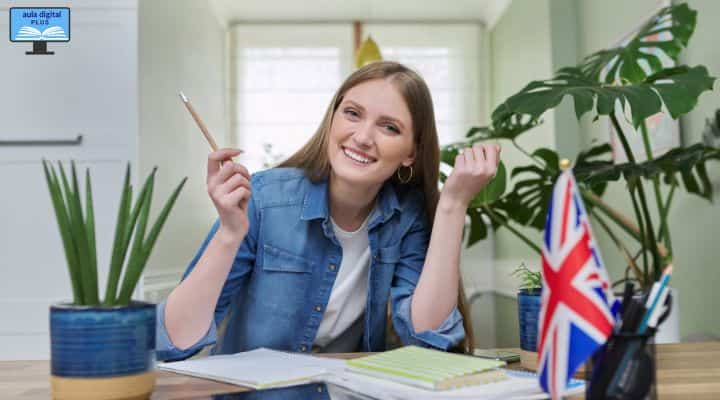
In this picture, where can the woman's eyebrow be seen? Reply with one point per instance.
(397, 121)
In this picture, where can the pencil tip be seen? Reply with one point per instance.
(183, 97)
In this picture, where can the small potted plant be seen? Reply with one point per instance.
(103, 349)
(528, 306)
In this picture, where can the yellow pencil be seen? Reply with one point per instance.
(199, 122)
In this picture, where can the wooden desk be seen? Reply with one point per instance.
(685, 371)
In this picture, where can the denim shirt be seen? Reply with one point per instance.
(285, 267)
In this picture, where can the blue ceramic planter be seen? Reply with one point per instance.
(528, 316)
(102, 342)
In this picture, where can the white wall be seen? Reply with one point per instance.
(182, 47)
(88, 87)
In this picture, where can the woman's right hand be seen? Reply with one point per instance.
(229, 188)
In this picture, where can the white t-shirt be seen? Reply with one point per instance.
(348, 297)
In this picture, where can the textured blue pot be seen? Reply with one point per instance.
(529, 316)
(90, 341)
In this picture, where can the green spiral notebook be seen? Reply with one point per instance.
(429, 369)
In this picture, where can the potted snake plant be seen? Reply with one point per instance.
(103, 348)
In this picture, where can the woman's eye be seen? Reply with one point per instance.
(351, 112)
(392, 128)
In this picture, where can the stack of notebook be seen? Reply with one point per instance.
(429, 369)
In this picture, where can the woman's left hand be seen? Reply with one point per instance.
(474, 167)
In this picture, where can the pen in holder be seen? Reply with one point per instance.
(625, 367)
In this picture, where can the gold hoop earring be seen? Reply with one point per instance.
(409, 177)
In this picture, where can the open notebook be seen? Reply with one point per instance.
(265, 368)
(429, 369)
(258, 369)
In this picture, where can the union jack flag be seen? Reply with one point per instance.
(578, 309)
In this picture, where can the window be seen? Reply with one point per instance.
(447, 56)
(284, 76)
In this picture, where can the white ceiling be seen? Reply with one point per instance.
(484, 11)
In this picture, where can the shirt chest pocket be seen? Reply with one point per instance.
(389, 254)
(276, 259)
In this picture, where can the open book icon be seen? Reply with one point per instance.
(51, 33)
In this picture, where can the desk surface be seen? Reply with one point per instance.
(685, 371)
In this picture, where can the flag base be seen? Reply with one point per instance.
(529, 361)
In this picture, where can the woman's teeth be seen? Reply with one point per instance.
(357, 157)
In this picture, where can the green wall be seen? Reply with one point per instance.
(534, 38)
(520, 49)
(694, 223)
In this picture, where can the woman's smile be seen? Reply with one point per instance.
(357, 157)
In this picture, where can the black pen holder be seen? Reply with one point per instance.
(624, 368)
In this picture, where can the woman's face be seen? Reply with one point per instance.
(371, 134)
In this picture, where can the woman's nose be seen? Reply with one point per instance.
(364, 135)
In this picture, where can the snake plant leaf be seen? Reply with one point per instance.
(135, 260)
(666, 33)
(118, 252)
(132, 275)
(89, 273)
(677, 89)
(77, 231)
(90, 232)
(61, 215)
(160, 221)
(128, 229)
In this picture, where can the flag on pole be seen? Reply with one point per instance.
(578, 308)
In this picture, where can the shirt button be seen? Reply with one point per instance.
(303, 348)
(319, 389)
(318, 308)
(332, 267)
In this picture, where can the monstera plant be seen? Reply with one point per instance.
(626, 82)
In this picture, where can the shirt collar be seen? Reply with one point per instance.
(315, 204)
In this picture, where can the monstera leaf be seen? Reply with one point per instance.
(596, 157)
(508, 129)
(483, 204)
(666, 32)
(528, 200)
(677, 88)
(687, 165)
(527, 203)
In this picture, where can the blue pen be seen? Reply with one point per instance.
(654, 303)
(656, 294)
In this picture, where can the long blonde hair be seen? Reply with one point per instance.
(313, 157)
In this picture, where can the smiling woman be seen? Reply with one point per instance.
(327, 240)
